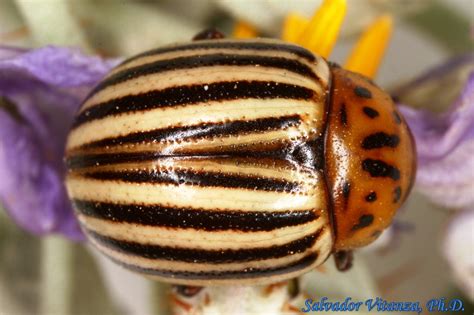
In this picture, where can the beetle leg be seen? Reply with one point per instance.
(187, 290)
(343, 260)
(294, 288)
(210, 33)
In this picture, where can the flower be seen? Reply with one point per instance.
(40, 90)
(445, 142)
(265, 14)
(320, 33)
(457, 248)
(445, 145)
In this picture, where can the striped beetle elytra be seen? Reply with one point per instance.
(224, 161)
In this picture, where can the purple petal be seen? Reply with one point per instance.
(436, 136)
(45, 88)
(445, 148)
(449, 181)
(59, 67)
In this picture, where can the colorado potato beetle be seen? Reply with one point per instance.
(224, 161)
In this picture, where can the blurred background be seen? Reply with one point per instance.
(52, 275)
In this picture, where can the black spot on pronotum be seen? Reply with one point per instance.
(371, 197)
(343, 115)
(378, 168)
(397, 118)
(397, 193)
(380, 140)
(364, 221)
(370, 112)
(346, 189)
(343, 260)
(362, 92)
(208, 34)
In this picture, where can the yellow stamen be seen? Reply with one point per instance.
(293, 27)
(322, 31)
(366, 56)
(243, 29)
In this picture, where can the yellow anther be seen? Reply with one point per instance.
(322, 31)
(243, 29)
(293, 27)
(367, 54)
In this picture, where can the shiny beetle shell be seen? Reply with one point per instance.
(235, 161)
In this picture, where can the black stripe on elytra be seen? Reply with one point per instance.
(88, 160)
(364, 221)
(238, 45)
(283, 153)
(198, 61)
(198, 255)
(397, 194)
(193, 94)
(200, 219)
(380, 140)
(343, 115)
(370, 112)
(378, 168)
(205, 130)
(247, 273)
(188, 177)
(362, 92)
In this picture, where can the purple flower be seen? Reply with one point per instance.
(40, 90)
(445, 142)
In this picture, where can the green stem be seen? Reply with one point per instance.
(52, 23)
(56, 274)
(444, 25)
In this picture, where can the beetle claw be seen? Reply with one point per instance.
(343, 260)
(294, 287)
(187, 290)
(210, 33)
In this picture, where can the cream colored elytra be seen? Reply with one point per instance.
(200, 163)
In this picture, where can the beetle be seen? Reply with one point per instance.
(223, 161)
